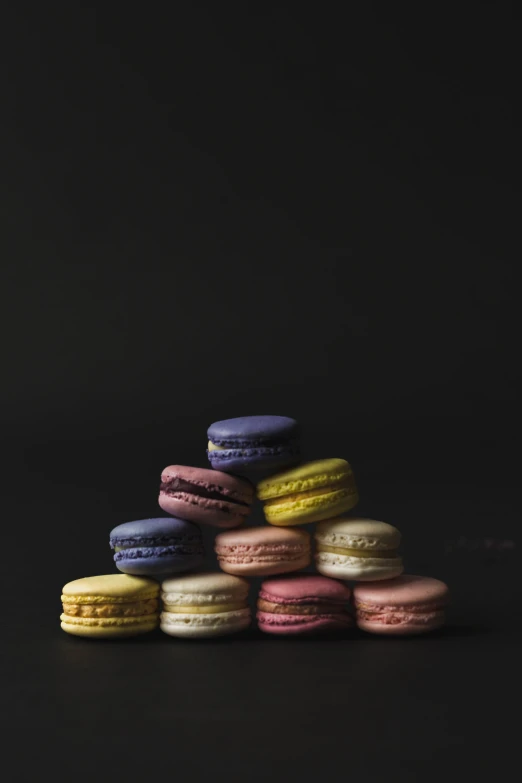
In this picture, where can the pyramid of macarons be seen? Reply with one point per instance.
(163, 582)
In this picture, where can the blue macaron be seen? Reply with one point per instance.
(149, 547)
(253, 443)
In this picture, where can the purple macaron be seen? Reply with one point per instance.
(151, 547)
(253, 443)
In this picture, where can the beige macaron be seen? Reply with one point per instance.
(362, 550)
(204, 604)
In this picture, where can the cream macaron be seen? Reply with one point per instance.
(363, 550)
(204, 604)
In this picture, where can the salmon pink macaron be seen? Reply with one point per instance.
(303, 604)
(205, 496)
(405, 605)
(260, 551)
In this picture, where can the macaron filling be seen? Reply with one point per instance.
(140, 552)
(238, 447)
(304, 609)
(119, 544)
(310, 493)
(244, 553)
(181, 489)
(310, 501)
(214, 447)
(375, 553)
(148, 606)
(205, 609)
(432, 606)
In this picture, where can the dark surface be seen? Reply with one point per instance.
(215, 213)
(252, 707)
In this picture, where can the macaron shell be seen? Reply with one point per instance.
(407, 591)
(306, 477)
(105, 631)
(357, 533)
(109, 588)
(292, 624)
(154, 532)
(205, 625)
(204, 589)
(253, 429)
(358, 569)
(420, 624)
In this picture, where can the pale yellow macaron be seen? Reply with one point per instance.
(363, 550)
(204, 604)
(313, 491)
(110, 606)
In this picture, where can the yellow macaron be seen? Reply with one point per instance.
(311, 492)
(110, 606)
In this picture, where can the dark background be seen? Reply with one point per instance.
(216, 210)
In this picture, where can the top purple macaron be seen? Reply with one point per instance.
(257, 443)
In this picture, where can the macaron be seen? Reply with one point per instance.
(110, 606)
(358, 549)
(313, 491)
(253, 443)
(205, 496)
(157, 546)
(204, 605)
(401, 606)
(303, 604)
(260, 551)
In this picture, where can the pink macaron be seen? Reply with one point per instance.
(303, 604)
(205, 496)
(261, 551)
(405, 605)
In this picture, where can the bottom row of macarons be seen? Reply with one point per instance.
(216, 604)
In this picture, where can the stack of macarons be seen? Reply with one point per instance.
(162, 560)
